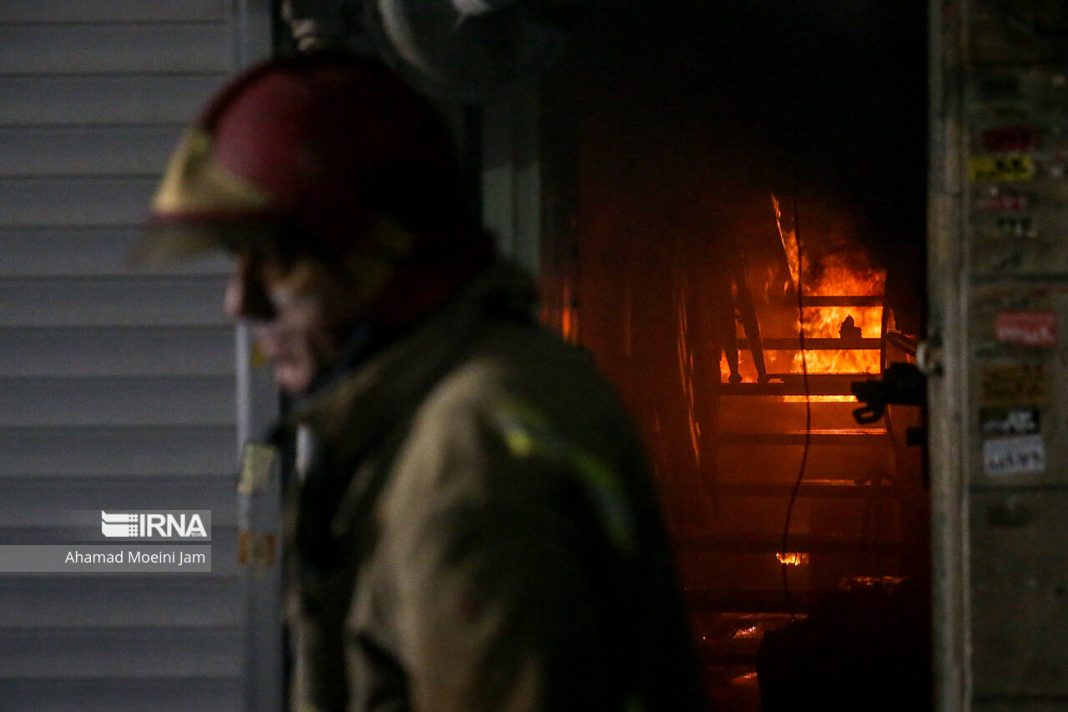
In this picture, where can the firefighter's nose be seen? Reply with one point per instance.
(246, 295)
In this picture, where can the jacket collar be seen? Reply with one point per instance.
(353, 411)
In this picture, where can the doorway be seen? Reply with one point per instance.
(734, 202)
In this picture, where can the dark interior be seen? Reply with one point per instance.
(685, 150)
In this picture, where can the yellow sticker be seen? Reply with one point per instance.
(257, 550)
(257, 464)
(1012, 385)
(1001, 168)
(258, 359)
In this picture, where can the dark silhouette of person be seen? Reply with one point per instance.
(731, 302)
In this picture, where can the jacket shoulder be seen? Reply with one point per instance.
(523, 364)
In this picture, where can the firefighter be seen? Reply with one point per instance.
(475, 529)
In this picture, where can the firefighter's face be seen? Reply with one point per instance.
(299, 312)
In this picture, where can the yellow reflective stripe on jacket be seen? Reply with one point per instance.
(529, 434)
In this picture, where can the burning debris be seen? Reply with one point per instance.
(819, 331)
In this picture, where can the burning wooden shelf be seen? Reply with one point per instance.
(816, 344)
(839, 301)
(793, 384)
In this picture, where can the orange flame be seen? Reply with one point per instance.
(841, 280)
(568, 316)
(792, 558)
(752, 632)
(789, 242)
(836, 275)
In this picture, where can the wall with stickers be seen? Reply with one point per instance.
(1000, 230)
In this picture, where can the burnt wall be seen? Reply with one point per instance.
(1002, 472)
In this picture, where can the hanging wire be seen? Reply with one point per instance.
(808, 415)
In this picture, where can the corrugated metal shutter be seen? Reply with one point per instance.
(117, 387)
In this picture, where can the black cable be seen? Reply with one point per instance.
(808, 416)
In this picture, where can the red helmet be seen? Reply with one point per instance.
(313, 149)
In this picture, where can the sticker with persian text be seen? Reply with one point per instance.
(1017, 455)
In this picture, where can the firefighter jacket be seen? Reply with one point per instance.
(476, 530)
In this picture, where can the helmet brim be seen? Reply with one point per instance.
(167, 241)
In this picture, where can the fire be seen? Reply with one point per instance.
(841, 274)
(568, 315)
(792, 558)
(839, 279)
(751, 632)
(788, 235)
